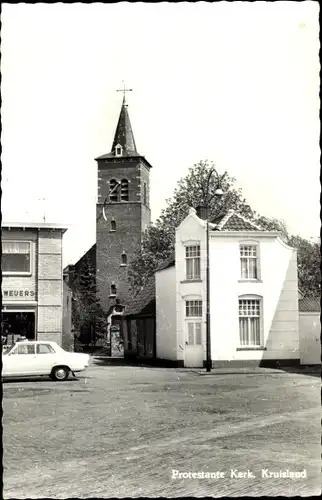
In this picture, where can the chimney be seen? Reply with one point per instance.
(202, 212)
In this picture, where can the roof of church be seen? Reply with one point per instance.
(124, 137)
(233, 221)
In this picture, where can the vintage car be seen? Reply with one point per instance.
(35, 358)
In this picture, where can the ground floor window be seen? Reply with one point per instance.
(250, 322)
(17, 324)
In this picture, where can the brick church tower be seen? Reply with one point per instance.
(122, 212)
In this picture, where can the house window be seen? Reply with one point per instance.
(193, 308)
(124, 259)
(16, 257)
(113, 225)
(124, 190)
(144, 194)
(249, 262)
(194, 333)
(250, 322)
(113, 289)
(193, 262)
(113, 190)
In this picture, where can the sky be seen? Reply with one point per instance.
(236, 83)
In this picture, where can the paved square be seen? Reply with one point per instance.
(122, 431)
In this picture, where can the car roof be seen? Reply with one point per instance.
(36, 342)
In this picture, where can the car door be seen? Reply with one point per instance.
(45, 358)
(21, 360)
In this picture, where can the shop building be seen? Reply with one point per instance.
(32, 281)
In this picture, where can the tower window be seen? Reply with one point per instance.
(124, 259)
(114, 190)
(113, 225)
(144, 194)
(113, 290)
(124, 190)
(118, 150)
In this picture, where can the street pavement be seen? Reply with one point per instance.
(125, 431)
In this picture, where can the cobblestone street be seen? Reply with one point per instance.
(121, 431)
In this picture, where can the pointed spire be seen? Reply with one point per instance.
(124, 143)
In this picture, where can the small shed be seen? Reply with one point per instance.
(310, 330)
(139, 324)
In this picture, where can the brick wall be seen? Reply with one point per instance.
(50, 299)
(131, 218)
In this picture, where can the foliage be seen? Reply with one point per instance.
(159, 239)
(308, 264)
(87, 315)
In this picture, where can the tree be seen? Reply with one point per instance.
(159, 239)
(87, 315)
(308, 264)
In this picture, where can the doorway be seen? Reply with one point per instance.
(193, 345)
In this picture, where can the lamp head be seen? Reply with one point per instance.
(219, 192)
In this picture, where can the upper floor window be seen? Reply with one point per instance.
(193, 308)
(113, 289)
(250, 322)
(16, 257)
(249, 262)
(144, 194)
(124, 259)
(114, 190)
(124, 190)
(113, 225)
(193, 262)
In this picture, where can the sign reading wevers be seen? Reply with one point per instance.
(18, 293)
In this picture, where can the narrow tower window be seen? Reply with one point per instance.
(113, 190)
(113, 225)
(118, 150)
(124, 259)
(124, 190)
(113, 289)
(144, 194)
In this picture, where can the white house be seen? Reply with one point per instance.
(253, 296)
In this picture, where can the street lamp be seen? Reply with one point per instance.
(217, 193)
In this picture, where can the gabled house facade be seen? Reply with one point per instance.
(253, 296)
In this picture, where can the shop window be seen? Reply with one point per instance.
(16, 257)
(124, 190)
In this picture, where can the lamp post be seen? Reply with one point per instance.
(218, 193)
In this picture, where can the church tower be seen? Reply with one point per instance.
(122, 212)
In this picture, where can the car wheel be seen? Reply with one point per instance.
(60, 373)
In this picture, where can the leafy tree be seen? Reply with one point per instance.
(308, 265)
(87, 315)
(159, 239)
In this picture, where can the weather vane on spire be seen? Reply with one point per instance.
(124, 90)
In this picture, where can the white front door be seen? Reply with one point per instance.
(193, 347)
